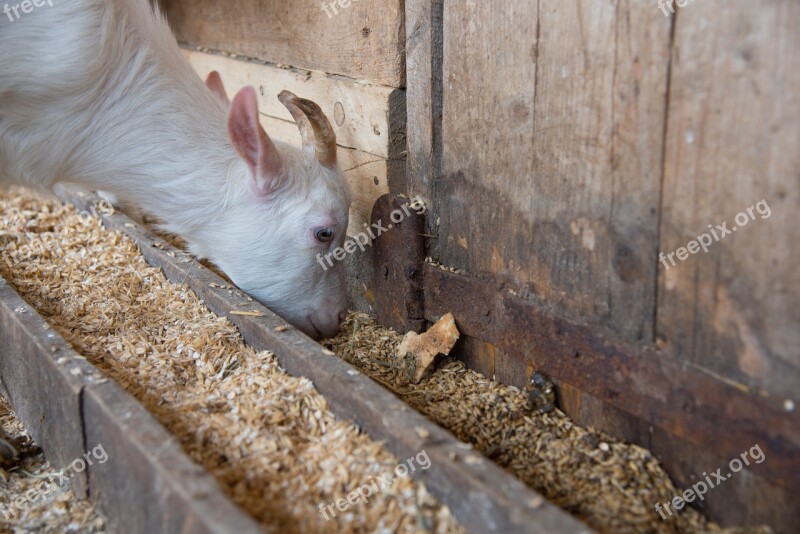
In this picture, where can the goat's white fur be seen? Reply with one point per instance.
(97, 92)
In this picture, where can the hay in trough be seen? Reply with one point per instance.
(268, 438)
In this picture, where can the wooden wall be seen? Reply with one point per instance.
(363, 41)
(557, 148)
(733, 139)
(563, 145)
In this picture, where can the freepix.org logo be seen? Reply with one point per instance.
(52, 484)
(719, 232)
(370, 233)
(15, 11)
(667, 7)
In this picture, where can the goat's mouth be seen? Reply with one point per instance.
(311, 329)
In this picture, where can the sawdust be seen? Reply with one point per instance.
(268, 438)
(611, 486)
(42, 504)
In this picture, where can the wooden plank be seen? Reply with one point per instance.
(594, 143)
(399, 255)
(551, 167)
(70, 408)
(645, 383)
(148, 483)
(482, 496)
(369, 126)
(734, 140)
(424, 99)
(364, 40)
(640, 58)
(553, 131)
(37, 365)
(751, 500)
(744, 499)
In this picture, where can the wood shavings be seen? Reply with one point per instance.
(268, 438)
(420, 351)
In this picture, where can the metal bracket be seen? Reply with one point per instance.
(399, 258)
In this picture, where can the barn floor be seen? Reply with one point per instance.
(55, 509)
(269, 438)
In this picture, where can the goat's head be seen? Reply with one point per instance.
(293, 211)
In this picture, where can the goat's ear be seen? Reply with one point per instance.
(214, 82)
(252, 142)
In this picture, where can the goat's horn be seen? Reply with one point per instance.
(315, 129)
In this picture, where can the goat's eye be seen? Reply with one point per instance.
(324, 235)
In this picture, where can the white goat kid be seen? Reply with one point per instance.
(97, 92)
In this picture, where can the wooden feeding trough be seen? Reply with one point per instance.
(568, 156)
(178, 495)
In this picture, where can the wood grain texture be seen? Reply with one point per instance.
(36, 364)
(744, 499)
(653, 386)
(553, 141)
(364, 116)
(399, 254)
(552, 153)
(364, 40)
(146, 482)
(424, 49)
(733, 140)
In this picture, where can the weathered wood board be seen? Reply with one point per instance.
(424, 99)
(29, 354)
(653, 386)
(552, 151)
(733, 141)
(551, 166)
(130, 467)
(151, 485)
(364, 40)
(365, 116)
